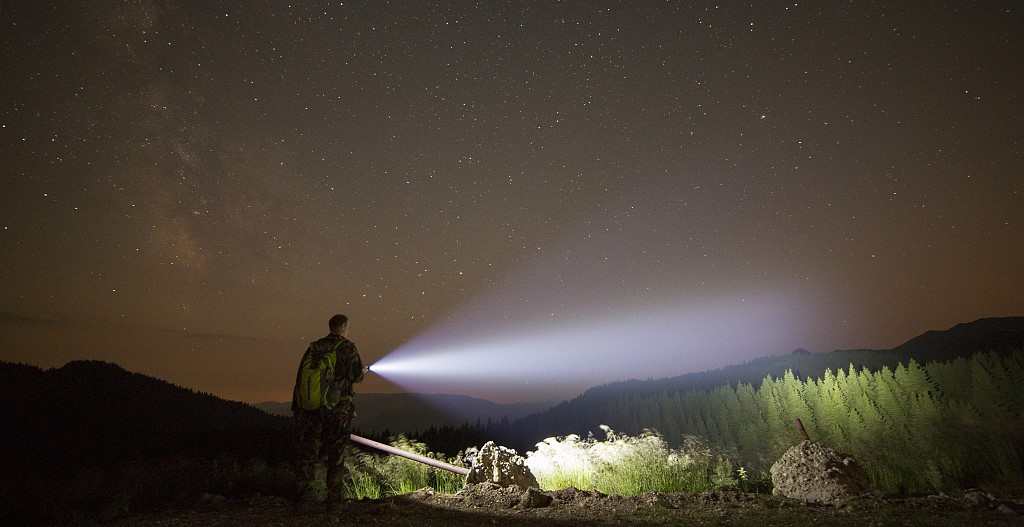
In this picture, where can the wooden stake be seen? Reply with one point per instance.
(803, 431)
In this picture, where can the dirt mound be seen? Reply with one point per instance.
(574, 494)
(489, 495)
(501, 466)
(814, 473)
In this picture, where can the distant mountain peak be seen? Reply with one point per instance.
(983, 334)
(92, 365)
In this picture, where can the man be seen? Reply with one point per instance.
(322, 403)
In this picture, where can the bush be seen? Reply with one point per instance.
(629, 465)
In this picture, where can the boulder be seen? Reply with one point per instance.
(501, 466)
(534, 499)
(1006, 509)
(978, 498)
(814, 473)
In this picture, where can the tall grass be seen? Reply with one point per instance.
(376, 476)
(629, 465)
(618, 464)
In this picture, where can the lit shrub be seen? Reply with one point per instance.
(628, 465)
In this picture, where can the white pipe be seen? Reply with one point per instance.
(409, 455)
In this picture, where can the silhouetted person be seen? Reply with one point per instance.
(322, 403)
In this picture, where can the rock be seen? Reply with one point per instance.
(1006, 509)
(533, 498)
(566, 494)
(501, 466)
(814, 473)
(978, 498)
(658, 499)
(424, 494)
(208, 500)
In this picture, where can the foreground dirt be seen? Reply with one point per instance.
(495, 506)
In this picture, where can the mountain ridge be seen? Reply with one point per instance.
(582, 413)
(89, 412)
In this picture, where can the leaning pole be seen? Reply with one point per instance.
(408, 455)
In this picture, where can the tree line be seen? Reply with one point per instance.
(913, 427)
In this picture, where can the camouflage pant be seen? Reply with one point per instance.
(320, 439)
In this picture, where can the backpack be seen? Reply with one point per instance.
(318, 386)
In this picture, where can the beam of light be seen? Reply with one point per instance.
(604, 305)
(654, 342)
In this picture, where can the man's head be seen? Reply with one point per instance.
(339, 325)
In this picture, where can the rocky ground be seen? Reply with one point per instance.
(488, 504)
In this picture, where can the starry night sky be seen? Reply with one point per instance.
(193, 188)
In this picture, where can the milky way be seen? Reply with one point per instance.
(241, 171)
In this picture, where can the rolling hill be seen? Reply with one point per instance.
(91, 436)
(98, 414)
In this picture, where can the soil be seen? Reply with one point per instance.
(815, 473)
(491, 505)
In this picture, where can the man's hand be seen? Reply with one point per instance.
(366, 369)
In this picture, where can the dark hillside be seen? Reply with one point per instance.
(89, 423)
(96, 413)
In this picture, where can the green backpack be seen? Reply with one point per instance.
(318, 387)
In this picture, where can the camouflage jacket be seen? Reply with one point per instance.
(349, 364)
